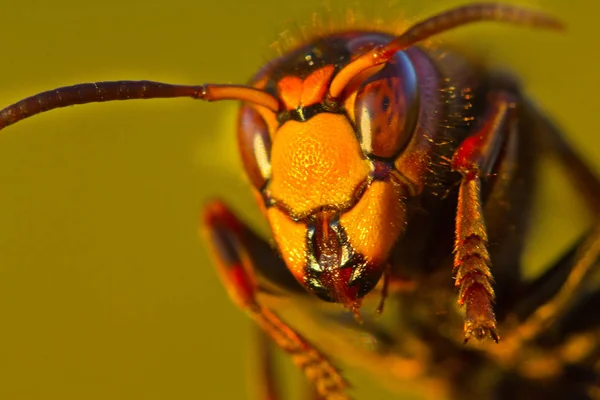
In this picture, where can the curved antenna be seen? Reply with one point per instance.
(129, 90)
(437, 24)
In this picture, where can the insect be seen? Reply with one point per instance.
(416, 183)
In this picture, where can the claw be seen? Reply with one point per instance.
(481, 330)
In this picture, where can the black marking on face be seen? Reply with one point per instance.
(364, 277)
(303, 114)
(329, 252)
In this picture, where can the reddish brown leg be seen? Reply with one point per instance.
(237, 270)
(267, 389)
(587, 259)
(584, 262)
(384, 289)
(268, 385)
(474, 159)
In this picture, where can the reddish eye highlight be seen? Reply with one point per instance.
(254, 144)
(386, 108)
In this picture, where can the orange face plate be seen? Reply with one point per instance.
(315, 164)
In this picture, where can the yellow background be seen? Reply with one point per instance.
(106, 291)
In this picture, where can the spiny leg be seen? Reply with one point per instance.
(236, 266)
(474, 160)
(268, 385)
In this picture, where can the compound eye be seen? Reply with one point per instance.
(386, 108)
(254, 144)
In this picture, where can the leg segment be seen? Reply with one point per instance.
(266, 370)
(474, 160)
(555, 319)
(575, 275)
(585, 259)
(228, 239)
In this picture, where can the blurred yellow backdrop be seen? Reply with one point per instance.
(106, 291)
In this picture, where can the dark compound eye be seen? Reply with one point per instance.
(387, 108)
(255, 146)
